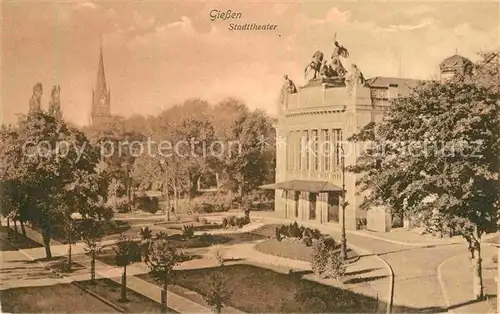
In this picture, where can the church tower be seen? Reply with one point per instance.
(101, 96)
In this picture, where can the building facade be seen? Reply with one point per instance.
(101, 97)
(312, 129)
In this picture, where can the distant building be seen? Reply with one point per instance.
(455, 65)
(311, 122)
(101, 97)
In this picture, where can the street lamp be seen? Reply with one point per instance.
(344, 202)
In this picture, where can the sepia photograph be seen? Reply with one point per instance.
(249, 156)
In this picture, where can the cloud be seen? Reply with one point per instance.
(408, 27)
(85, 5)
(142, 22)
(334, 16)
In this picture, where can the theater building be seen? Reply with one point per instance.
(311, 124)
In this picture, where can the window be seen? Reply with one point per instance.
(326, 149)
(337, 140)
(315, 150)
(301, 152)
(289, 156)
(306, 150)
(296, 150)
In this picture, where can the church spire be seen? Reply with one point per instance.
(101, 87)
(101, 95)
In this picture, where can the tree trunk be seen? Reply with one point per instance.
(15, 225)
(477, 279)
(176, 199)
(8, 222)
(164, 296)
(124, 284)
(22, 227)
(46, 241)
(92, 267)
(69, 256)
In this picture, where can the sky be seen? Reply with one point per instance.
(158, 53)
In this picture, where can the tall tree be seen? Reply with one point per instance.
(118, 140)
(434, 158)
(50, 171)
(127, 252)
(92, 233)
(163, 258)
(248, 160)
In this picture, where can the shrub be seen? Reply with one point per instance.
(307, 241)
(335, 266)
(295, 231)
(361, 223)
(188, 231)
(307, 233)
(239, 222)
(203, 221)
(219, 254)
(231, 221)
(326, 261)
(329, 243)
(315, 234)
(319, 257)
(225, 222)
(218, 293)
(277, 233)
(122, 206)
(196, 218)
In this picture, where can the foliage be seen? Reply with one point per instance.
(127, 251)
(146, 234)
(234, 221)
(326, 260)
(210, 203)
(91, 232)
(231, 221)
(219, 254)
(241, 221)
(188, 231)
(218, 293)
(112, 137)
(293, 230)
(47, 172)
(163, 258)
(277, 233)
(122, 205)
(438, 149)
(361, 223)
(307, 241)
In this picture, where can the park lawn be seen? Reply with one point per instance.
(294, 250)
(61, 298)
(108, 254)
(207, 240)
(254, 289)
(110, 290)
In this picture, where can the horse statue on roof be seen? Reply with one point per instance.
(315, 64)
